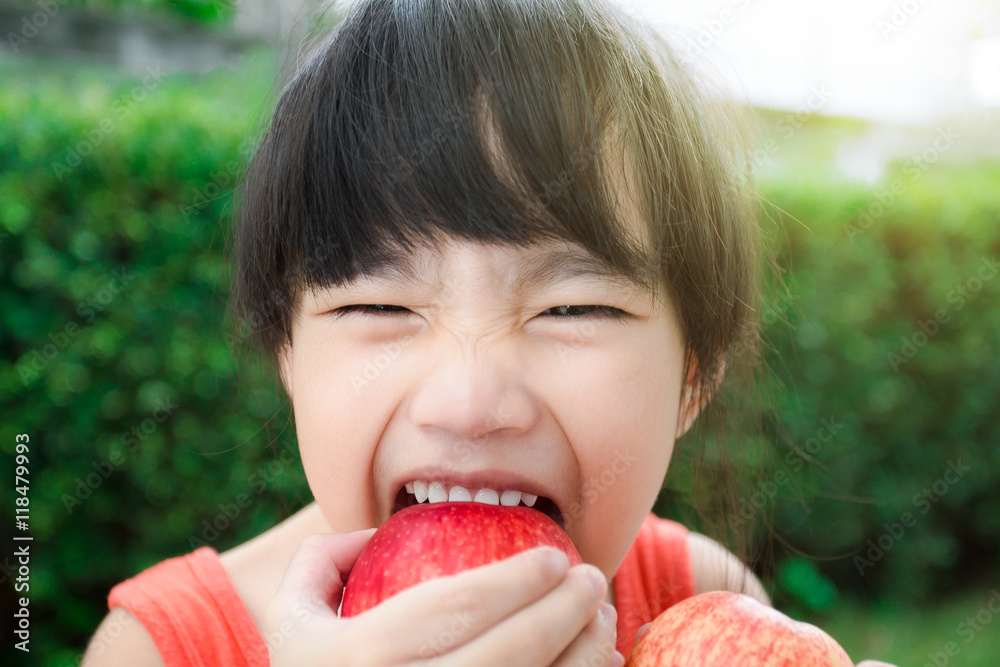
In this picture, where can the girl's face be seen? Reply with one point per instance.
(474, 373)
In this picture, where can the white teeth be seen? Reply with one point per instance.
(510, 498)
(488, 497)
(436, 493)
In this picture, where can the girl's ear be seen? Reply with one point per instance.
(285, 367)
(695, 396)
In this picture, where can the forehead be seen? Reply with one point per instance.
(513, 269)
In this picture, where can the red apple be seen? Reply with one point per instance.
(722, 629)
(432, 540)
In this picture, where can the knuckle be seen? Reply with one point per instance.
(467, 600)
(596, 653)
(535, 573)
(358, 650)
(534, 644)
(595, 633)
(581, 583)
(272, 615)
(313, 541)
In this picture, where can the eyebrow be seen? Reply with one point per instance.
(540, 271)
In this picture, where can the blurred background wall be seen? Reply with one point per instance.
(125, 124)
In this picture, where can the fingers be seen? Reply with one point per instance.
(443, 614)
(641, 631)
(595, 646)
(319, 565)
(543, 629)
(531, 610)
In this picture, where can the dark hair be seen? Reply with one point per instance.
(501, 122)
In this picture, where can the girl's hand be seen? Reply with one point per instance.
(866, 663)
(531, 609)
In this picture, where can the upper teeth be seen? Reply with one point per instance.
(437, 492)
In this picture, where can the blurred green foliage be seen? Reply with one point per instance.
(212, 12)
(148, 439)
(113, 200)
(888, 378)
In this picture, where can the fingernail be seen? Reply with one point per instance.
(608, 614)
(597, 579)
(619, 660)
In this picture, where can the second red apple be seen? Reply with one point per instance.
(722, 629)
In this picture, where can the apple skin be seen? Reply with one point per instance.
(723, 629)
(433, 540)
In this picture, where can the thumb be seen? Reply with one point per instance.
(319, 567)
(641, 631)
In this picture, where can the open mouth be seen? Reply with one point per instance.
(421, 492)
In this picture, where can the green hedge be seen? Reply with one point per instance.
(115, 196)
(893, 336)
(212, 12)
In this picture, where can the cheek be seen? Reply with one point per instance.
(337, 424)
(620, 413)
(620, 405)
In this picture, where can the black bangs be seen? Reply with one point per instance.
(417, 120)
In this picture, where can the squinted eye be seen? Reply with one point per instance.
(369, 310)
(560, 312)
(608, 312)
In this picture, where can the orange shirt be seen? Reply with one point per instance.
(195, 616)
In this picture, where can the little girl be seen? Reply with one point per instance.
(499, 251)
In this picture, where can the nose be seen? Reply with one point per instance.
(473, 397)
